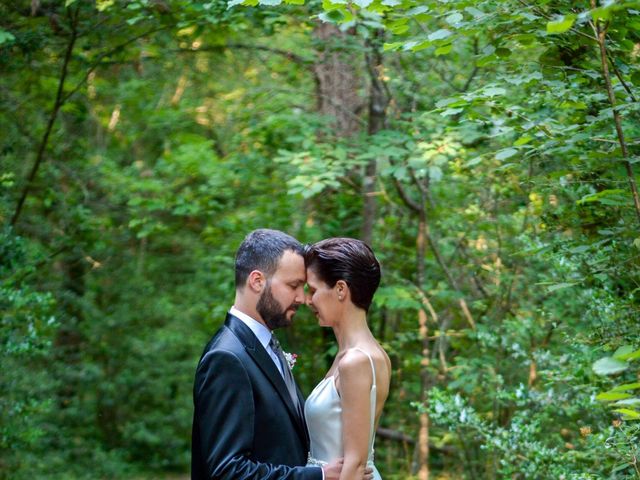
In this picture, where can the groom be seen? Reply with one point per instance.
(248, 421)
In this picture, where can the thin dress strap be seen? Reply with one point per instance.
(373, 395)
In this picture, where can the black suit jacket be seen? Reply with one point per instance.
(245, 425)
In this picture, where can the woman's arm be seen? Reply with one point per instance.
(355, 379)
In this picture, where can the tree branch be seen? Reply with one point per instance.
(601, 34)
(59, 101)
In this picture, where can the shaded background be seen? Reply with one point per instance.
(475, 145)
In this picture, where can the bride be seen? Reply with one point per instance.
(343, 410)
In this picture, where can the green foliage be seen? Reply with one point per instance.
(183, 125)
(28, 327)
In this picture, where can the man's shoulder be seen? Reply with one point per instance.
(223, 340)
(224, 349)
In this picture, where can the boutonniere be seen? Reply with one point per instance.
(291, 359)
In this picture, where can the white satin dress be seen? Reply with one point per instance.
(323, 411)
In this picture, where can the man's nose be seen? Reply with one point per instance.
(300, 295)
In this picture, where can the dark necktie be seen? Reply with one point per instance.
(286, 371)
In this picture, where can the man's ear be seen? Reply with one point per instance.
(256, 281)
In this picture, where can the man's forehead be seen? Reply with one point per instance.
(292, 263)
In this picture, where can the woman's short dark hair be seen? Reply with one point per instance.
(346, 259)
(262, 250)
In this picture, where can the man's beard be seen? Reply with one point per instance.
(271, 311)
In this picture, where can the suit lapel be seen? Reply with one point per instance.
(262, 359)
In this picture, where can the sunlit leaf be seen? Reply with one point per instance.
(444, 50)
(6, 36)
(561, 25)
(628, 414)
(506, 153)
(609, 366)
(612, 396)
(363, 3)
(494, 91)
(627, 355)
(454, 18)
(439, 34)
(560, 286)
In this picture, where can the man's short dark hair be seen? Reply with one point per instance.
(262, 250)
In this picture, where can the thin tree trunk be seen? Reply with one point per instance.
(601, 35)
(69, 339)
(57, 104)
(378, 101)
(425, 383)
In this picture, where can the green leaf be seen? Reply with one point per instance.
(435, 173)
(474, 161)
(420, 46)
(523, 140)
(444, 102)
(103, 5)
(609, 366)
(68, 3)
(506, 153)
(486, 60)
(399, 26)
(451, 111)
(454, 18)
(475, 12)
(417, 11)
(622, 351)
(626, 386)
(525, 38)
(627, 355)
(333, 15)
(560, 286)
(444, 50)
(6, 37)
(630, 402)
(614, 196)
(602, 13)
(363, 3)
(612, 396)
(391, 47)
(439, 34)
(628, 414)
(561, 25)
(494, 91)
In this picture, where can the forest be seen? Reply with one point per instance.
(487, 150)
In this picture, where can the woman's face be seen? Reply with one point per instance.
(322, 300)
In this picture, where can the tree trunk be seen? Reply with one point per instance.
(378, 101)
(68, 342)
(425, 383)
(335, 69)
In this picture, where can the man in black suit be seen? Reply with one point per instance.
(248, 420)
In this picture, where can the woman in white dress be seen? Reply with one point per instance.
(343, 410)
